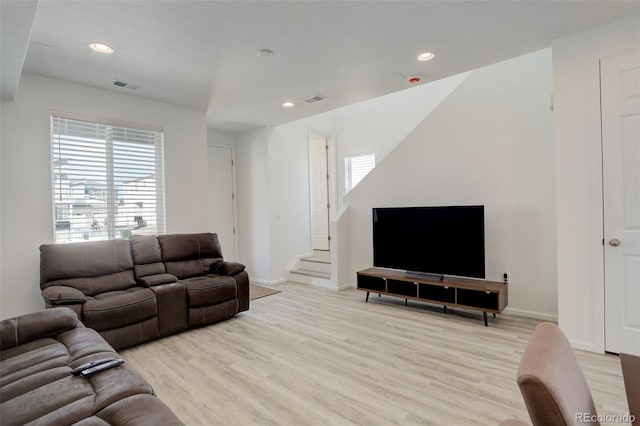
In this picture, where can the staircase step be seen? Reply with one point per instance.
(310, 277)
(313, 265)
(316, 259)
(311, 273)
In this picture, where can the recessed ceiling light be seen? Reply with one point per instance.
(265, 53)
(288, 104)
(101, 48)
(426, 56)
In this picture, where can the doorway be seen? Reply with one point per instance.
(319, 177)
(620, 99)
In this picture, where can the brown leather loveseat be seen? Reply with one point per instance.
(133, 291)
(39, 351)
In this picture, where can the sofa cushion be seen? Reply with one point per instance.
(60, 400)
(86, 259)
(140, 409)
(159, 279)
(227, 268)
(92, 286)
(190, 255)
(189, 246)
(63, 295)
(189, 268)
(91, 267)
(210, 290)
(36, 385)
(119, 308)
(25, 328)
(204, 315)
(147, 255)
(132, 334)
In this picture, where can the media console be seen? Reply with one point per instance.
(477, 295)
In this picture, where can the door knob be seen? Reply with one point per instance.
(614, 242)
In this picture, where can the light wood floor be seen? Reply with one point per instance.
(310, 356)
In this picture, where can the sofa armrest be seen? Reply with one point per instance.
(37, 325)
(158, 279)
(57, 295)
(227, 268)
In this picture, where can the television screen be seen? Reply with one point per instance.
(430, 240)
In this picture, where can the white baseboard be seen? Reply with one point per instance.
(531, 314)
(344, 286)
(584, 346)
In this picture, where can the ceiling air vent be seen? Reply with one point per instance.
(127, 85)
(315, 98)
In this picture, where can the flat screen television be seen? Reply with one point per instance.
(430, 240)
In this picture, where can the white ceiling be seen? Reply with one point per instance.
(202, 54)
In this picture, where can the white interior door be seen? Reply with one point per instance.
(319, 182)
(221, 198)
(620, 94)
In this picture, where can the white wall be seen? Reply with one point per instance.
(26, 210)
(254, 210)
(491, 143)
(290, 209)
(376, 125)
(219, 138)
(579, 176)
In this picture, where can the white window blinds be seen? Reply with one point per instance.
(107, 180)
(356, 168)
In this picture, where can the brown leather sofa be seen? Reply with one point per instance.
(133, 291)
(38, 352)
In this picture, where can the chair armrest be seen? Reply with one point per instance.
(158, 279)
(227, 268)
(63, 295)
(37, 325)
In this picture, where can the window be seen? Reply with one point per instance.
(356, 168)
(107, 180)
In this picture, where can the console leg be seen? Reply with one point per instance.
(445, 308)
(485, 319)
(379, 294)
(366, 300)
(494, 314)
(405, 302)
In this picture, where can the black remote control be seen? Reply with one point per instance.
(101, 367)
(83, 367)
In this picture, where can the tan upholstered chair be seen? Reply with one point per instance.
(551, 381)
